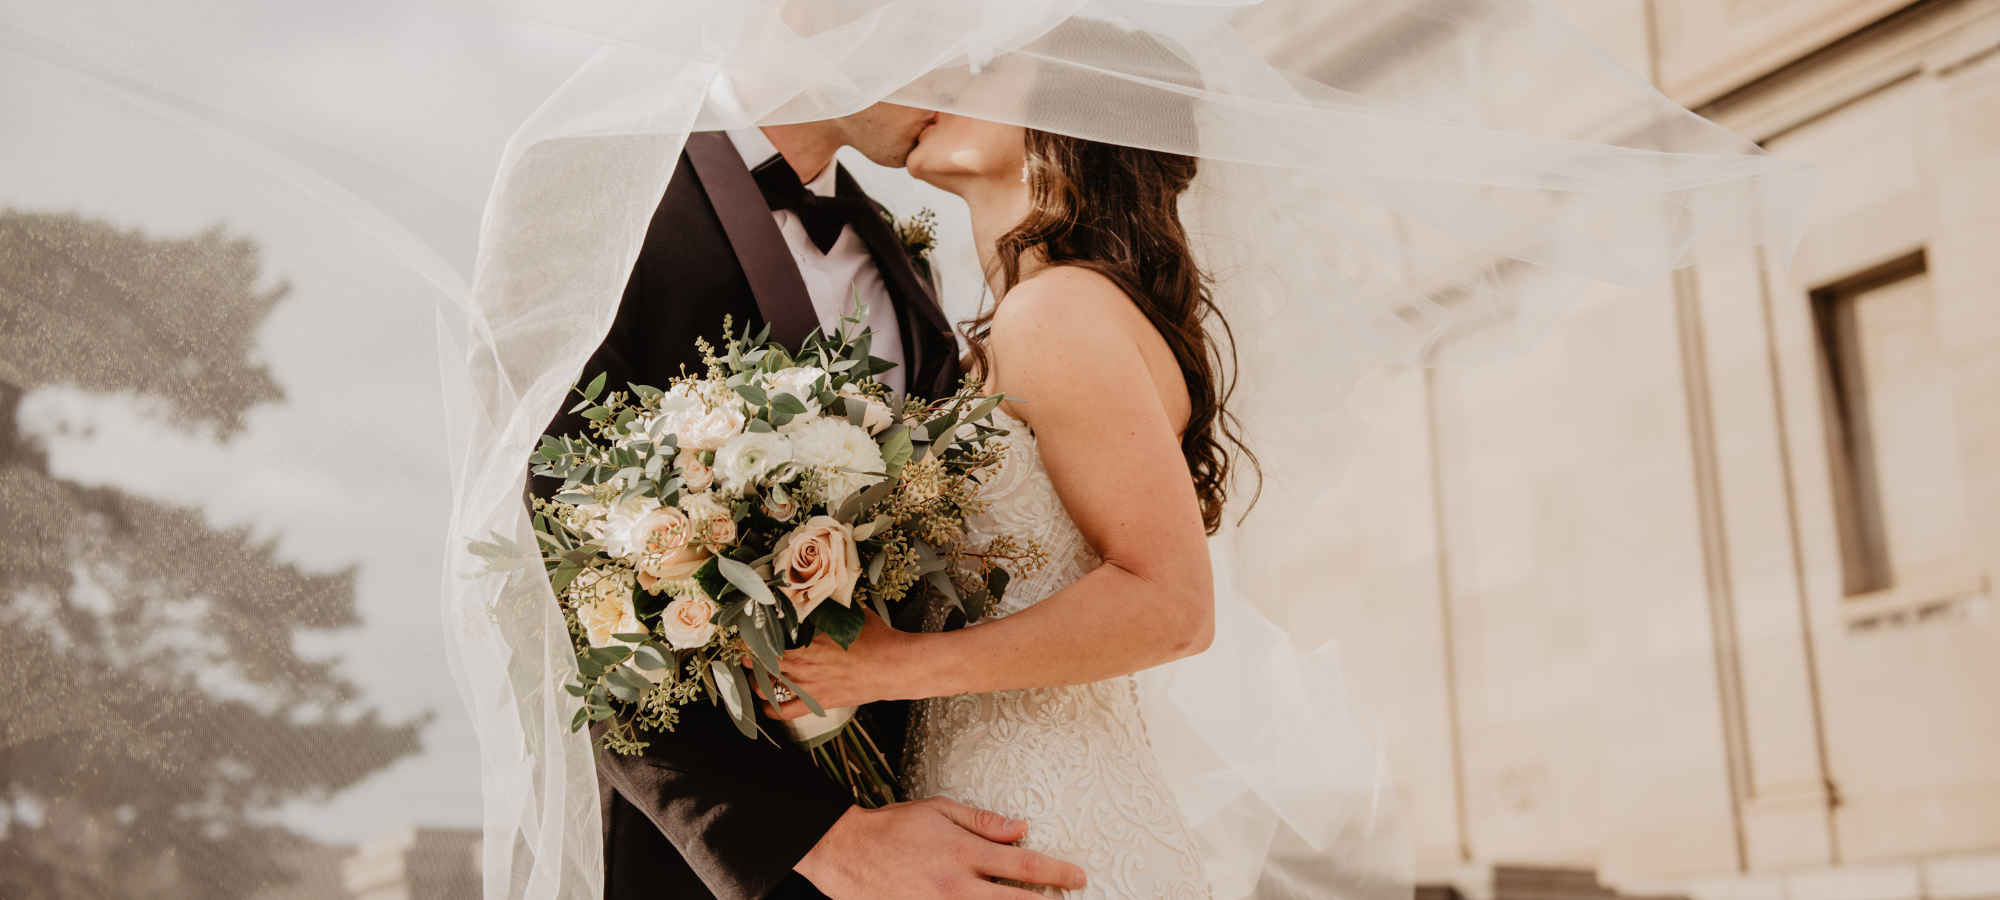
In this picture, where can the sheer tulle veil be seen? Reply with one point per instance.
(1429, 181)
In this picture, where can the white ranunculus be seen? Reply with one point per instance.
(707, 429)
(797, 381)
(678, 401)
(846, 453)
(603, 600)
(622, 531)
(750, 457)
(877, 417)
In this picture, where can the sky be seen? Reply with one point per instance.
(350, 468)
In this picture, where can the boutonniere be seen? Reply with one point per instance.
(918, 234)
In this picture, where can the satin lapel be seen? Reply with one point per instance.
(928, 341)
(760, 247)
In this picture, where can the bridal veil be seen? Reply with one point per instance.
(1428, 181)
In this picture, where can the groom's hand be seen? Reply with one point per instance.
(935, 849)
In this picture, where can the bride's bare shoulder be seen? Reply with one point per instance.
(1069, 304)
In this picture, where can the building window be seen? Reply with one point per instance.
(1883, 379)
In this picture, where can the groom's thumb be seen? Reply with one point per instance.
(989, 825)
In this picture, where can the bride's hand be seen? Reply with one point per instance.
(870, 669)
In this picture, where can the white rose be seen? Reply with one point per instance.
(623, 528)
(848, 455)
(876, 417)
(708, 429)
(798, 382)
(695, 476)
(685, 622)
(749, 457)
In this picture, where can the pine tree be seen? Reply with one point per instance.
(153, 707)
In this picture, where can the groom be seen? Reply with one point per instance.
(763, 226)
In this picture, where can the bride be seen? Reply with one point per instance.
(1119, 464)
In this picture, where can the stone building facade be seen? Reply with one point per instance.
(1698, 593)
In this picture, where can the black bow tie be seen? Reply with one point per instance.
(823, 217)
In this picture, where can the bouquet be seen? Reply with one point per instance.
(734, 515)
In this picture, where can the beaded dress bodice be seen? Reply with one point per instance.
(1073, 762)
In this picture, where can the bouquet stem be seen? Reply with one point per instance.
(851, 758)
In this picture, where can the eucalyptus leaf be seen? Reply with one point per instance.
(757, 628)
(564, 574)
(596, 413)
(881, 609)
(745, 579)
(651, 659)
(596, 387)
(609, 656)
(763, 676)
(752, 393)
(996, 582)
(811, 704)
(896, 450)
(870, 528)
(786, 403)
(735, 691)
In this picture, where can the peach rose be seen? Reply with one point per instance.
(694, 475)
(721, 531)
(816, 561)
(666, 552)
(780, 505)
(685, 622)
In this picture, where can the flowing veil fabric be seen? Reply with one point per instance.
(1430, 183)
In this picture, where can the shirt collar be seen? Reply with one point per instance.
(756, 149)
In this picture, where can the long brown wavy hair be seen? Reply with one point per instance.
(1115, 211)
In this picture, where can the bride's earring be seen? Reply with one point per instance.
(1024, 171)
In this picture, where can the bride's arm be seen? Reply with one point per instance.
(1068, 343)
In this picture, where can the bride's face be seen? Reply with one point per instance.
(962, 154)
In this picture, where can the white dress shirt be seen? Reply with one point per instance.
(833, 279)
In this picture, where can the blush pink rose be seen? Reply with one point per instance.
(694, 475)
(685, 622)
(817, 561)
(667, 552)
(721, 531)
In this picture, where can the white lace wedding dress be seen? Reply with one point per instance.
(1073, 762)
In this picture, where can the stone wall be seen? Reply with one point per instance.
(1615, 596)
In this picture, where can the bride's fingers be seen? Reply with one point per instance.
(790, 709)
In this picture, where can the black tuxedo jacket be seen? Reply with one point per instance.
(706, 812)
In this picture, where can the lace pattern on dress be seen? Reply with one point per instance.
(1073, 762)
